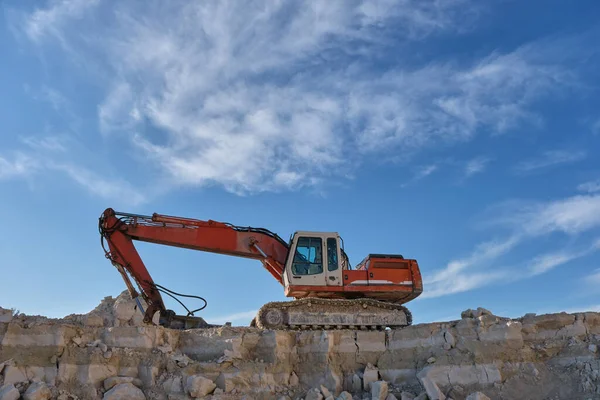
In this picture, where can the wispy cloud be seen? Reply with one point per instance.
(590, 187)
(49, 143)
(100, 186)
(50, 21)
(22, 165)
(476, 166)
(571, 216)
(549, 159)
(48, 154)
(270, 96)
(546, 262)
(421, 173)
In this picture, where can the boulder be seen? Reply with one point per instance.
(344, 396)
(407, 396)
(357, 384)
(37, 391)
(432, 390)
(9, 392)
(475, 313)
(325, 391)
(113, 381)
(124, 391)
(379, 390)
(5, 315)
(313, 394)
(477, 396)
(391, 397)
(370, 375)
(198, 386)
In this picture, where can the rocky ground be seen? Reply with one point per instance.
(109, 354)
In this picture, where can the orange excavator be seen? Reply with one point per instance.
(312, 267)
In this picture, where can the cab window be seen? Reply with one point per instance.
(332, 258)
(308, 256)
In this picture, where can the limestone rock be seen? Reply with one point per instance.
(173, 385)
(433, 391)
(37, 391)
(198, 386)
(124, 391)
(111, 382)
(391, 397)
(5, 315)
(313, 394)
(13, 374)
(456, 392)
(344, 396)
(379, 390)
(407, 396)
(325, 391)
(9, 392)
(422, 396)
(477, 396)
(357, 384)
(475, 313)
(370, 375)
(294, 381)
(98, 343)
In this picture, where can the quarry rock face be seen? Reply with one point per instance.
(110, 354)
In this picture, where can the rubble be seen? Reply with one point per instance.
(37, 391)
(480, 356)
(9, 392)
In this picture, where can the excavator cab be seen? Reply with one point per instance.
(314, 260)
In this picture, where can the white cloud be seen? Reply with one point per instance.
(590, 187)
(241, 318)
(49, 143)
(51, 20)
(546, 262)
(549, 159)
(476, 165)
(100, 186)
(21, 166)
(594, 278)
(571, 216)
(278, 95)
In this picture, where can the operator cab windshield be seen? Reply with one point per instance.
(308, 256)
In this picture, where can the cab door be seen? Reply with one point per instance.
(333, 269)
(308, 266)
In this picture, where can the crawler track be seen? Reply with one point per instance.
(317, 313)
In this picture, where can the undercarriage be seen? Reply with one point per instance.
(318, 313)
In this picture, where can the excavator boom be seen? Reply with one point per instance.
(120, 229)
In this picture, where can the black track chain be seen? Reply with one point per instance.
(282, 305)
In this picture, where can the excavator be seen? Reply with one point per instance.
(313, 268)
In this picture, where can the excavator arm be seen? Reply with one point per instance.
(119, 230)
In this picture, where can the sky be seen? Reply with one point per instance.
(463, 134)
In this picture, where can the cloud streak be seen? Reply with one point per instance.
(21, 166)
(280, 96)
(476, 166)
(589, 187)
(570, 216)
(550, 159)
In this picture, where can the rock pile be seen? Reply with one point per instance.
(108, 354)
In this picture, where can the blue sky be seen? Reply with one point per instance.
(461, 133)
